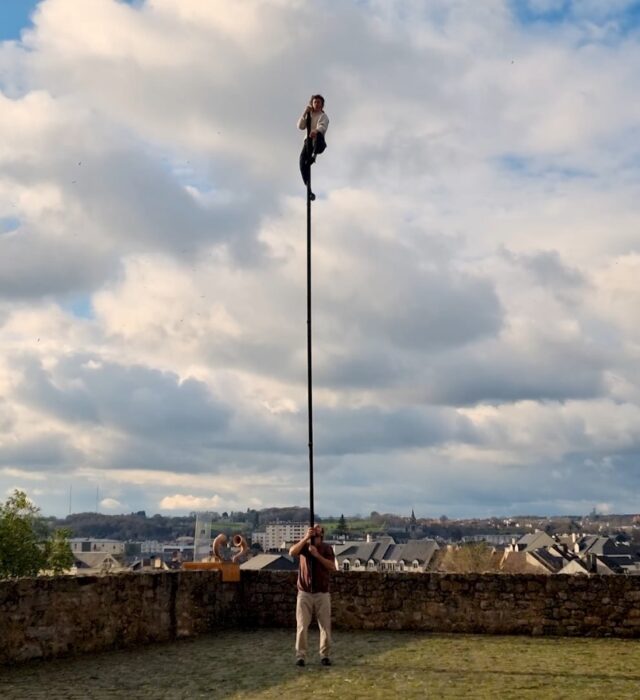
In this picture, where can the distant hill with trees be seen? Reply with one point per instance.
(138, 526)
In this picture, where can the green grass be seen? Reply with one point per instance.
(352, 526)
(236, 665)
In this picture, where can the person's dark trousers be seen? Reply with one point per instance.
(310, 148)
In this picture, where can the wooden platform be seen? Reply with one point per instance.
(230, 570)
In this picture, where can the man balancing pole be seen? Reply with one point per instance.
(316, 122)
(317, 561)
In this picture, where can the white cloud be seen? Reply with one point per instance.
(111, 504)
(21, 474)
(475, 255)
(188, 502)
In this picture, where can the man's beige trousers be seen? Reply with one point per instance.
(306, 606)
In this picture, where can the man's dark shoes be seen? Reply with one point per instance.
(300, 662)
(326, 661)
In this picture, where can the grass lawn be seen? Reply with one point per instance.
(260, 664)
(353, 525)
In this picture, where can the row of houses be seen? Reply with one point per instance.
(385, 556)
(100, 563)
(532, 553)
(536, 552)
(96, 556)
(539, 552)
(382, 555)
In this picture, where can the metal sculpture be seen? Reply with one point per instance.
(229, 567)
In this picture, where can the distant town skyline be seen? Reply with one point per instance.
(476, 255)
(351, 515)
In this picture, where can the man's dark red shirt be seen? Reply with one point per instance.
(313, 576)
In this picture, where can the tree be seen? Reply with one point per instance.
(342, 528)
(472, 557)
(25, 548)
(20, 550)
(58, 553)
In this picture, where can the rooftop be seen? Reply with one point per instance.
(259, 664)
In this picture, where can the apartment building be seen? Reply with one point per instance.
(90, 544)
(279, 535)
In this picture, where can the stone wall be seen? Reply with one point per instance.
(473, 603)
(48, 617)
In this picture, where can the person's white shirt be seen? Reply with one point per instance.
(319, 121)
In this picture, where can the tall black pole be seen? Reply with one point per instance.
(309, 383)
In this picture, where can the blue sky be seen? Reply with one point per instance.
(476, 256)
(625, 13)
(14, 16)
